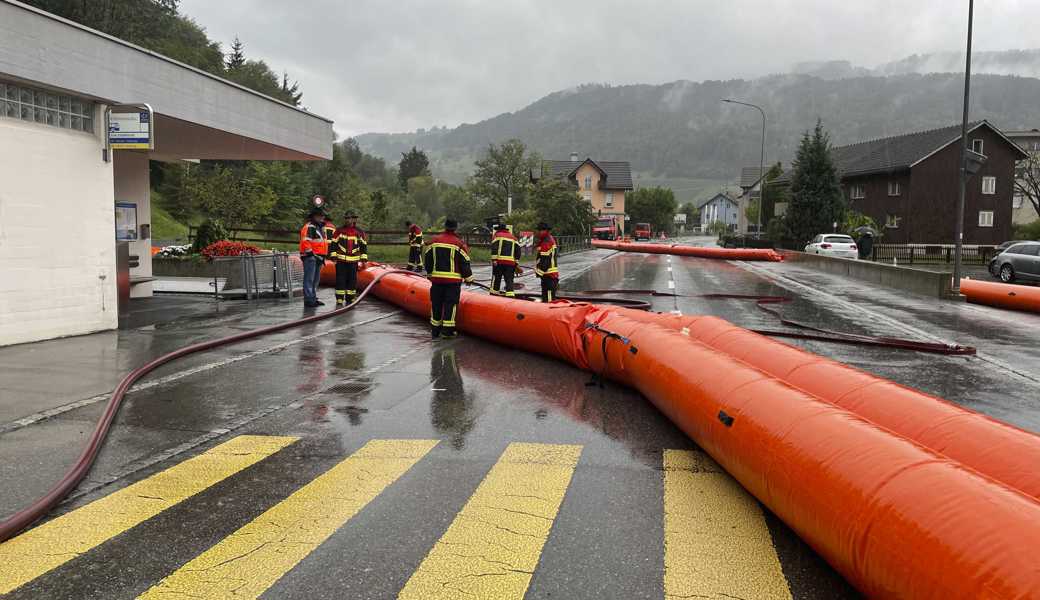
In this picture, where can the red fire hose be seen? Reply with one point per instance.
(27, 516)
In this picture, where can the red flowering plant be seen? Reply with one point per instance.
(228, 248)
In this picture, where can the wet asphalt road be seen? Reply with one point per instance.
(374, 374)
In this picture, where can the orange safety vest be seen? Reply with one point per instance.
(312, 240)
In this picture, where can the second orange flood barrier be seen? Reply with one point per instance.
(896, 518)
(698, 251)
(1004, 295)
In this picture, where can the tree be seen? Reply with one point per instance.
(460, 204)
(654, 205)
(290, 92)
(1027, 180)
(816, 198)
(414, 163)
(504, 171)
(423, 194)
(772, 194)
(222, 196)
(556, 202)
(693, 214)
(236, 57)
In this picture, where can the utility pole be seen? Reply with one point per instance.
(963, 171)
(761, 164)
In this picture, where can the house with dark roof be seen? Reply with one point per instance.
(720, 208)
(602, 183)
(909, 184)
(750, 188)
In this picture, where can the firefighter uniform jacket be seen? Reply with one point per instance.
(547, 252)
(329, 229)
(350, 245)
(447, 259)
(415, 236)
(504, 249)
(313, 241)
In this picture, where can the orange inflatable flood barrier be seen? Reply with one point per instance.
(896, 518)
(697, 251)
(1004, 295)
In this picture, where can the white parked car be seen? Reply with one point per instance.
(833, 244)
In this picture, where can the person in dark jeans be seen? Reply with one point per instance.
(313, 250)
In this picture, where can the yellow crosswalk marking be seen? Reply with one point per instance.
(716, 543)
(247, 562)
(56, 542)
(492, 547)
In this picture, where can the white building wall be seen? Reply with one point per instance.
(57, 234)
(132, 185)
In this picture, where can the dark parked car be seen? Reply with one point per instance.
(1020, 262)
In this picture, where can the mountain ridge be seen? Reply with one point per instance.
(682, 130)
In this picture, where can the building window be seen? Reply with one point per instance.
(46, 108)
(1034, 146)
(588, 197)
(989, 185)
(976, 146)
(985, 218)
(588, 182)
(1016, 200)
(892, 221)
(858, 192)
(610, 200)
(893, 188)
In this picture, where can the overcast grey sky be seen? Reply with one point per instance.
(395, 65)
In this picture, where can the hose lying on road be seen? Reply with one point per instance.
(697, 251)
(25, 517)
(1004, 295)
(900, 512)
(829, 335)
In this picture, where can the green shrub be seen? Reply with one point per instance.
(1029, 231)
(210, 231)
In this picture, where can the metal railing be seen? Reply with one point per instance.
(933, 254)
(253, 276)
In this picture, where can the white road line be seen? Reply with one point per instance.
(671, 284)
(793, 285)
(43, 415)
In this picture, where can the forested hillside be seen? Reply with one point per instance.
(682, 129)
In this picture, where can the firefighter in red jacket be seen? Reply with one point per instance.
(415, 243)
(329, 228)
(547, 268)
(505, 260)
(350, 251)
(447, 262)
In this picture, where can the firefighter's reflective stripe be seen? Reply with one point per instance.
(350, 247)
(504, 249)
(546, 264)
(443, 265)
(415, 237)
(451, 321)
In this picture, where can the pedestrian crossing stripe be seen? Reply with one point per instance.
(252, 559)
(492, 547)
(62, 539)
(716, 542)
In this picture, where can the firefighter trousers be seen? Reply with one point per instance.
(549, 287)
(444, 304)
(500, 274)
(346, 282)
(415, 258)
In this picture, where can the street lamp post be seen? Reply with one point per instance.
(761, 164)
(963, 170)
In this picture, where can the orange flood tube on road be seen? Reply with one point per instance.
(897, 519)
(1004, 295)
(996, 449)
(698, 251)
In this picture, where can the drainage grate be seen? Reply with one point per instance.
(350, 387)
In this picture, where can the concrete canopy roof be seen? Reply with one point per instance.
(198, 115)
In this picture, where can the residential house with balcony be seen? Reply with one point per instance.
(909, 184)
(601, 183)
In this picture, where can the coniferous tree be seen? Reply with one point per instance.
(816, 198)
(237, 57)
